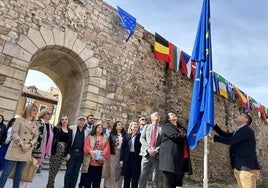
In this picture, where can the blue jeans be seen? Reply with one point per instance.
(18, 171)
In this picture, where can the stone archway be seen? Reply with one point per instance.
(66, 73)
(67, 60)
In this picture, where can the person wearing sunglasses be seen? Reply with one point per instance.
(24, 133)
(142, 123)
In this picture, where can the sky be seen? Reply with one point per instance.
(239, 33)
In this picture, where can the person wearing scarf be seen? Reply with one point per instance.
(45, 135)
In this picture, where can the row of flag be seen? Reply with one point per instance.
(229, 91)
(178, 60)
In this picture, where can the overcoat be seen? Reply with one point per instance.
(22, 131)
(172, 148)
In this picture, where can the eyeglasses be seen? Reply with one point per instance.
(143, 119)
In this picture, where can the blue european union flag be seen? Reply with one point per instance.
(128, 21)
(201, 118)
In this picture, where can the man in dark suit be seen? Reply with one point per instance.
(243, 155)
(150, 145)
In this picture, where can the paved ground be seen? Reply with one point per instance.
(40, 181)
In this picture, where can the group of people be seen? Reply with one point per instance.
(113, 153)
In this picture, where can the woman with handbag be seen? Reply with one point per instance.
(61, 146)
(96, 151)
(24, 133)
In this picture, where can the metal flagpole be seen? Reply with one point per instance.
(205, 180)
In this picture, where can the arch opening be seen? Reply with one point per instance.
(66, 73)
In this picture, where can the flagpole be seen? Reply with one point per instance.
(205, 180)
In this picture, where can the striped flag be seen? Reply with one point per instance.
(186, 64)
(161, 48)
(166, 51)
(222, 87)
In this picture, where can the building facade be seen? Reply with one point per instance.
(42, 99)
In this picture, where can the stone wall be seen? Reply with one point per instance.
(81, 46)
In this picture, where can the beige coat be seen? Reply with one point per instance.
(22, 131)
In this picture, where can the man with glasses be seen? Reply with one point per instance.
(142, 123)
(109, 126)
(243, 156)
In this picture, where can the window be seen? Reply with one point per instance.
(32, 89)
(42, 107)
(54, 109)
(29, 101)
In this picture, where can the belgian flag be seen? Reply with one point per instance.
(161, 48)
(165, 51)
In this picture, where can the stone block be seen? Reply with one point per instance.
(19, 64)
(20, 75)
(86, 53)
(92, 62)
(58, 37)
(6, 70)
(9, 93)
(12, 72)
(96, 72)
(100, 82)
(78, 46)
(70, 37)
(27, 44)
(93, 89)
(93, 97)
(8, 104)
(48, 36)
(13, 83)
(89, 105)
(16, 51)
(36, 37)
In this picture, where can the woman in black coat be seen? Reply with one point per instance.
(174, 155)
(130, 160)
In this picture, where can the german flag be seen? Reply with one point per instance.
(161, 48)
